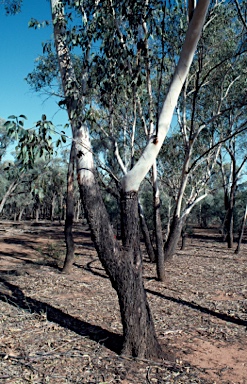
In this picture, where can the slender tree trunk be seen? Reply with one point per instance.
(229, 216)
(10, 190)
(159, 242)
(241, 231)
(160, 263)
(230, 228)
(146, 236)
(168, 225)
(53, 204)
(37, 212)
(21, 213)
(61, 213)
(70, 248)
(78, 211)
(173, 238)
(184, 238)
(200, 216)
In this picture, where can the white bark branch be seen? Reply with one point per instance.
(135, 176)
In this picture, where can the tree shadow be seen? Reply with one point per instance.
(48, 261)
(208, 237)
(100, 335)
(197, 307)
(96, 271)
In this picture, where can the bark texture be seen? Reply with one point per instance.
(160, 262)
(159, 241)
(173, 238)
(146, 236)
(68, 227)
(124, 267)
(138, 327)
(241, 233)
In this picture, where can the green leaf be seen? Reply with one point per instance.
(63, 137)
(23, 117)
(9, 125)
(12, 117)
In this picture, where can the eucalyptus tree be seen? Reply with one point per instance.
(241, 232)
(11, 178)
(69, 217)
(5, 140)
(210, 91)
(123, 265)
(10, 174)
(33, 155)
(231, 174)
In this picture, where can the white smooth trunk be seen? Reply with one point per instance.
(134, 177)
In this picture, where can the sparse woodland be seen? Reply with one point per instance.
(143, 196)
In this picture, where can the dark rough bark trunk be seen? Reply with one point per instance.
(173, 238)
(241, 233)
(146, 236)
(230, 204)
(230, 229)
(124, 267)
(229, 219)
(138, 327)
(159, 240)
(69, 240)
(184, 239)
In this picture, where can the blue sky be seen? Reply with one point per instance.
(19, 47)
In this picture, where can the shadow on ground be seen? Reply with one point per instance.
(17, 298)
(197, 307)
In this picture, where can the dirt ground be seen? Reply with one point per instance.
(57, 328)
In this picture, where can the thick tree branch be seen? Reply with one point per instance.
(134, 177)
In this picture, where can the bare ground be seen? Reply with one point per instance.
(56, 328)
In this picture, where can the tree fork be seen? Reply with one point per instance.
(124, 267)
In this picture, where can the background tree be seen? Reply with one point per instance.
(201, 121)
